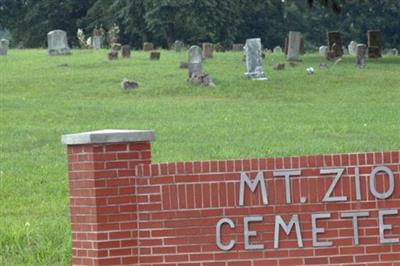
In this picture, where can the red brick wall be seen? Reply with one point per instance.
(103, 202)
(179, 204)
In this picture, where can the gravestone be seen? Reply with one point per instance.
(302, 49)
(254, 59)
(393, 52)
(294, 44)
(361, 54)
(345, 51)
(374, 44)
(178, 46)
(195, 60)
(322, 50)
(57, 43)
(208, 50)
(148, 46)
(237, 47)
(277, 50)
(285, 45)
(334, 44)
(126, 51)
(352, 48)
(112, 55)
(4, 45)
(116, 47)
(96, 43)
(155, 55)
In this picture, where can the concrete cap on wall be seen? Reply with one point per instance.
(108, 136)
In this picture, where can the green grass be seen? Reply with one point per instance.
(340, 109)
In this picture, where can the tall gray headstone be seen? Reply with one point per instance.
(361, 55)
(57, 43)
(4, 44)
(294, 43)
(96, 42)
(195, 60)
(352, 48)
(254, 59)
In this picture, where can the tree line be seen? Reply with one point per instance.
(195, 21)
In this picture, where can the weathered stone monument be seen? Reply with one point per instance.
(393, 52)
(254, 59)
(178, 46)
(112, 55)
(322, 50)
(352, 47)
(4, 45)
(126, 51)
(148, 46)
(334, 45)
(96, 41)
(374, 44)
(58, 43)
(195, 60)
(361, 53)
(277, 50)
(237, 47)
(208, 50)
(155, 55)
(294, 44)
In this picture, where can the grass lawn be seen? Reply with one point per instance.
(339, 109)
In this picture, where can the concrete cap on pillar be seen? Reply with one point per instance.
(108, 136)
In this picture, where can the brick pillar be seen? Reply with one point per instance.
(101, 167)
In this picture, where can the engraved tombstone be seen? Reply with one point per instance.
(57, 43)
(195, 60)
(294, 45)
(208, 50)
(277, 50)
(237, 47)
(126, 51)
(4, 44)
(374, 44)
(352, 48)
(322, 50)
(334, 44)
(254, 59)
(96, 43)
(361, 53)
(148, 46)
(155, 55)
(178, 46)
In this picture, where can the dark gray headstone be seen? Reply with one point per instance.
(361, 52)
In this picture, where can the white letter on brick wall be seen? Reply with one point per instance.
(287, 175)
(244, 178)
(248, 234)
(218, 241)
(383, 227)
(287, 228)
(316, 230)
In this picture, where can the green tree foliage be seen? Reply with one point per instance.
(196, 21)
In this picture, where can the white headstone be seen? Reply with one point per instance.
(277, 50)
(294, 43)
(4, 44)
(393, 51)
(254, 59)
(58, 43)
(195, 60)
(322, 50)
(352, 48)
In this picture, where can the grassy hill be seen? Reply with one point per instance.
(339, 109)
